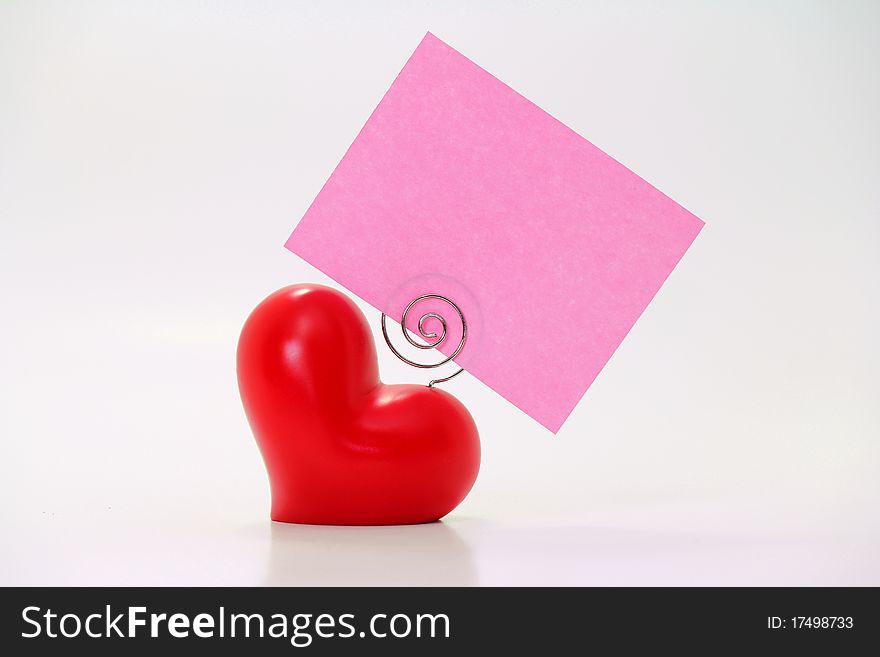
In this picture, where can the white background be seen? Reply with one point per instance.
(154, 157)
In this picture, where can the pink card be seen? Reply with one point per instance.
(459, 186)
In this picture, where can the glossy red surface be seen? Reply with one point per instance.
(340, 446)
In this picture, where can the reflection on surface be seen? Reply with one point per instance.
(414, 555)
(475, 552)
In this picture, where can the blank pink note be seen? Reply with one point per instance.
(459, 186)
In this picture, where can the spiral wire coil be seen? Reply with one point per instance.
(433, 340)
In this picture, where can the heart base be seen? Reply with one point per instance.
(341, 447)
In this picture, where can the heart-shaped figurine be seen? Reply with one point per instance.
(341, 447)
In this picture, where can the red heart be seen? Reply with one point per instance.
(341, 447)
